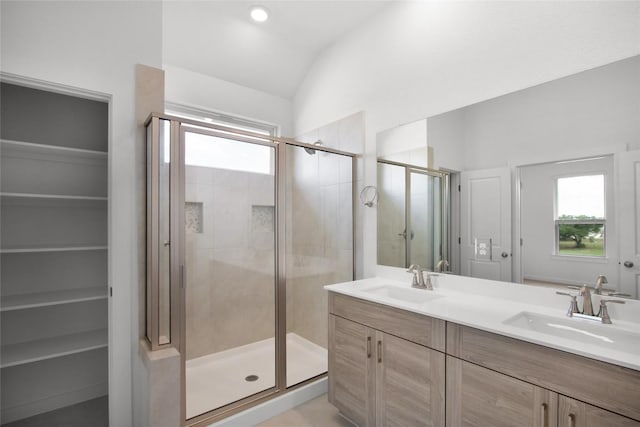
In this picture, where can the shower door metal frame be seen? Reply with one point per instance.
(179, 126)
(210, 416)
(444, 207)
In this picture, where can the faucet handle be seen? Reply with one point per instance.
(429, 282)
(573, 305)
(604, 313)
(582, 290)
(418, 279)
(414, 268)
(618, 294)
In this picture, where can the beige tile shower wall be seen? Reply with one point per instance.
(320, 221)
(231, 262)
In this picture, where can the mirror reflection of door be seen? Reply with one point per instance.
(485, 224)
(629, 214)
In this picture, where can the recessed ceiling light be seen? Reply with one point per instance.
(259, 13)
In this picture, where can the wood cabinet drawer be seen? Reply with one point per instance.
(573, 413)
(413, 327)
(602, 384)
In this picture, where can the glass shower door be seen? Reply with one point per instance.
(392, 232)
(230, 260)
(319, 251)
(425, 217)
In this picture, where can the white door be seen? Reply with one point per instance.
(486, 223)
(629, 206)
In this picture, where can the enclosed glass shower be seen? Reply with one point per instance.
(244, 231)
(413, 209)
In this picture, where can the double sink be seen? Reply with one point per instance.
(557, 327)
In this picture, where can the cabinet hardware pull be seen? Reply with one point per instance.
(368, 347)
(379, 351)
(572, 420)
(543, 413)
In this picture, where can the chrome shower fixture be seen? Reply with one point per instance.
(311, 151)
(369, 196)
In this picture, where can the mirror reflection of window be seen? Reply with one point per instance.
(580, 216)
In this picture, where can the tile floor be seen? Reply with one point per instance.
(317, 412)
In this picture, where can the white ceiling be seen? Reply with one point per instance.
(218, 38)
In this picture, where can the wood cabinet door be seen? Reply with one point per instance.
(573, 413)
(351, 371)
(410, 383)
(478, 397)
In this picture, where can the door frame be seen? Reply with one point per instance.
(625, 205)
(611, 150)
(118, 327)
(180, 126)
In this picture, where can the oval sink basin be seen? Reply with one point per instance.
(410, 295)
(583, 330)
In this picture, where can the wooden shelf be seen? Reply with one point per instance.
(51, 149)
(52, 249)
(35, 351)
(44, 299)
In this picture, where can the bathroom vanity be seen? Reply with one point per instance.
(478, 353)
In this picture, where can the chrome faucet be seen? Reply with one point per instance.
(599, 288)
(585, 292)
(587, 307)
(418, 278)
(600, 280)
(429, 283)
(573, 306)
(604, 313)
(442, 265)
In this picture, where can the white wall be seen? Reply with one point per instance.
(95, 46)
(212, 94)
(418, 59)
(596, 110)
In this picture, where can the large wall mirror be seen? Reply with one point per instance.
(545, 182)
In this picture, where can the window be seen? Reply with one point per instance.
(223, 153)
(580, 216)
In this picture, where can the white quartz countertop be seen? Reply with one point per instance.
(491, 306)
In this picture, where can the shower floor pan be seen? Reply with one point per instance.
(221, 378)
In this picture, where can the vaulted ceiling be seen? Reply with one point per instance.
(218, 38)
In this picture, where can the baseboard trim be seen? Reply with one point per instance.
(278, 405)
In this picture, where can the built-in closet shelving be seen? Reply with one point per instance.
(53, 249)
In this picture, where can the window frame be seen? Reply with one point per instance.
(558, 222)
(228, 120)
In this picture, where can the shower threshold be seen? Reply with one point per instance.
(221, 378)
